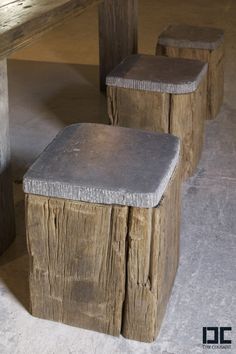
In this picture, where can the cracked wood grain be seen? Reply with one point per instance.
(23, 21)
(102, 267)
(77, 262)
(187, 117)
(138, 109)
(152, 262)
(117, 33)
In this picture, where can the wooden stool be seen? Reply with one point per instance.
(161, 94)
(201, 43)
(102, 214)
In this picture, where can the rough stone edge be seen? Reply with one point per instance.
(99, 196)
(152, 86)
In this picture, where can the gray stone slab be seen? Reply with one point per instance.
(158, 74)
(103, 164)
(186, 36)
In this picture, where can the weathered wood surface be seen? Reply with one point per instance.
(180, 115)
(216, 80)
(104, 268)
(117, 32)
(138, 109)
(22, 21)
(77, 262)
(152, 262)
(7, 220)
(187, 118)
(215, 60)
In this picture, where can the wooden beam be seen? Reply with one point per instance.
(7, 221)
(117, 32)
(23, 21)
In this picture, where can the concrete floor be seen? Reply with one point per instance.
(54, 83)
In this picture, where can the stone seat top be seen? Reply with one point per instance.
(158, 74)
(105, 164)
(186, 36)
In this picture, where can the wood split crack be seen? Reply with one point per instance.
(127, 245)
(170, 115)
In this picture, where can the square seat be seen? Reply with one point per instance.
(102, 225)
(202, 43)
(83, 164)
(158, 74)
(187, 36)
(158, 93)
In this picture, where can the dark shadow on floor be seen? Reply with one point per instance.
(69, 92)
(14, 265)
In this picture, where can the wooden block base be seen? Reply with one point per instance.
(103, 267)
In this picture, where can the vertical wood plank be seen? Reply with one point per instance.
(7, 219)
(77, 262)
(118, 36)
(169, 217)
(187, 117)
(153, 256)
(138, 109)
(216, 78)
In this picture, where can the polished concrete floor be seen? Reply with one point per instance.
(54, 83)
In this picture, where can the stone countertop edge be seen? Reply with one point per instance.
(151, 86)
(184, 43)
(94, 195)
